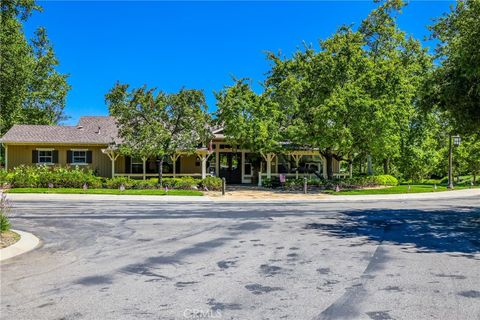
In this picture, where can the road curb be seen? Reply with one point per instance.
(19, 197)
(26, 243)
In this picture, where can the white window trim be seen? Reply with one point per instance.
(79, 163)
(136, 161)
(45, 163)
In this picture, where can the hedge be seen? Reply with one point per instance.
(349, 183)
(67, 177)
(45, 177)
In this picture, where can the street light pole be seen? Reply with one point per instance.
(450, 162)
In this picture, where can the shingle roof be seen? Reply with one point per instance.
(90, 130)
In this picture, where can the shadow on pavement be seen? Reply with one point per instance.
(428, 231)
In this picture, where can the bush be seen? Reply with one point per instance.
(267, 183)
(369, 181)
(4, 177)
(4, 223)
(45, 176)
(349, 183)
(212, 183)
(183, 183)
(384, 180)
(4, 208)
(146, 184)
(116, 182)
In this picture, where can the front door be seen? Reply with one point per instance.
(230, 166)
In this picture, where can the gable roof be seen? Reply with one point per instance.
(90, 130)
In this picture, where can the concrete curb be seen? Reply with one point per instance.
(19, 197)
(26, 243)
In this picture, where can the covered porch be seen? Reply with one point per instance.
(237, 166)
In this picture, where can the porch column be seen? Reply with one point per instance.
(144, 160)
(296, 158)
(324, 167)
(269, 157)
(113, 157)
(203, 156)
(243, 165)
(204, 167)
(6, 157)
(174, 158)
(217, 161)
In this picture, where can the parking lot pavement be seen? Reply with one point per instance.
(103, 259)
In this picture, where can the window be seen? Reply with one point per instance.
(45, 156)
(137, 165)
(79, 156)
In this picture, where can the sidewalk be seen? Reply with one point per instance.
(26, 243)
(247, 195)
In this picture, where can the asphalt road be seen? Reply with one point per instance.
(146, 260)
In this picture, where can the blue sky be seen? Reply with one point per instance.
(200, 45)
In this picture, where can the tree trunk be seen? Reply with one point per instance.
(369, 165)
(350, 168)
(160, 171)
(386, 166)
(329, 158)
(474, 178)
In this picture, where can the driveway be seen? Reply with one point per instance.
(103, 259)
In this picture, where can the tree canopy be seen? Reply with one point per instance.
(32, 90)
(156, 124)
(456, 80)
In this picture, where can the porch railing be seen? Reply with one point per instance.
(263, 175)
(155, 175)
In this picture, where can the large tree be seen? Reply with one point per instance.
(324, 95)
(47, 88)
(456, 81)
(251, 121)
(32, 90)
(400, 65)
(154, 123)
(468, 156)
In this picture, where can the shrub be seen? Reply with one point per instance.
(368, 181)
(4, 208)
(183, 183)
(384, 180)
(66, 177)
(146, 184)
(4, 177)
(4, 223)
(212, 183)
(45, 176)
(267, 183)
(116, 182)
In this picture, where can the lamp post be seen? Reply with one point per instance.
(453, 141)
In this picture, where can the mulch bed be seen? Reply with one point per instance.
(8, 238)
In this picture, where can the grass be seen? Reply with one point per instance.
(155, 192)
(403, 188)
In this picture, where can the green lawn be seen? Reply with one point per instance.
(414, 188)
(155, 192)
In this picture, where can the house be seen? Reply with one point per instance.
(88, 145)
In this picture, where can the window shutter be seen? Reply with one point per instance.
(34, 156)
(178, 168)
(89, 156)
(55, 156)
(69, 156)
(127, 164)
